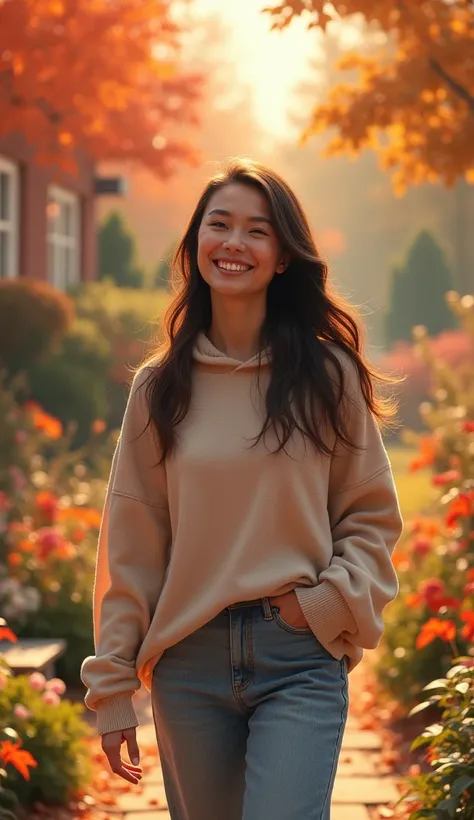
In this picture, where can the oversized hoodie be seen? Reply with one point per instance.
(221, 522)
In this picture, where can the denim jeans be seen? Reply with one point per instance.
(249, 714)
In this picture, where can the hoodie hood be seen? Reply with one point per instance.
(206, 354)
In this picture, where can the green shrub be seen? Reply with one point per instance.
(447, 790)
(54, 733)
(71, 392)
(34, 317)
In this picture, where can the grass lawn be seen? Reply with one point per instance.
(414, 489)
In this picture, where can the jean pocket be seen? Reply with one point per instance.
(295, 630)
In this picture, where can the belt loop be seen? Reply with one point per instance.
(267, 609)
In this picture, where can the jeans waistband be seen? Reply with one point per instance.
(263, 603)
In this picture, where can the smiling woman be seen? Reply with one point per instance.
(245, 551)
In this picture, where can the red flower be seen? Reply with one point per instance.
(450, 477)
(435, 628)
(468, 631)
(7, 635)
(46, 502)
(468, 427)
(19, 758)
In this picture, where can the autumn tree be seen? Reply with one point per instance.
(100, 76)
(413, 102)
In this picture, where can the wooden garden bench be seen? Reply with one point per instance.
(33, 655)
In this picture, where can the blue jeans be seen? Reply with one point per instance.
(249, 713)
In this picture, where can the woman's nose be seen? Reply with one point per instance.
(234, 241)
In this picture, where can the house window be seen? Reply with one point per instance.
(64, 231)
(9, 219)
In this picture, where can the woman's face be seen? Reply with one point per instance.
(238, 250)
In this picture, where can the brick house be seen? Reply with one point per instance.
(47, 218)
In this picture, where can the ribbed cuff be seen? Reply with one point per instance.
(115, 713)
(326, 611)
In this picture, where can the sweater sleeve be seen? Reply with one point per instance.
(366, 523)
(129, 571)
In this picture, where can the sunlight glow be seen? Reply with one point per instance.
(271, 63)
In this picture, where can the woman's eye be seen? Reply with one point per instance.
(260, 231)
(218, 225)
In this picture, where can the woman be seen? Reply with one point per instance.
(245, 551)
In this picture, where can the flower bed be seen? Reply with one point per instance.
(49, 524)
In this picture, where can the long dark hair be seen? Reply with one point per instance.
(304, 313)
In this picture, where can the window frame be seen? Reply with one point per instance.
(59, 243)
(11, 227)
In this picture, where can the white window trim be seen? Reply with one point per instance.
(12, 226)
(59, 240)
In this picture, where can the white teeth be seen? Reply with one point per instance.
(232, 266)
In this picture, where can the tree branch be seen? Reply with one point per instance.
(453, 84)
(458, 89)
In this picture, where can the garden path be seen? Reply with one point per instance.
(364, 788)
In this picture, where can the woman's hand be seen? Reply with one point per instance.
(290, 609)
(111, 743)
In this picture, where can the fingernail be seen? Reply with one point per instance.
(135, 761)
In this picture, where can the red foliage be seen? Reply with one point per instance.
(77, 74)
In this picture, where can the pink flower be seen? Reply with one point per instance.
(3, 681)
(52, 698)
(56, 685)
(21, 711)
(48, 540)
(20, 436)
(37, 681)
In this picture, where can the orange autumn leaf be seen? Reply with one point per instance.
(435, 628)
(413, 103)
(19, 758)
(7, 635)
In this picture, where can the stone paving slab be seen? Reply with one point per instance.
(354, 812)
(369, 791)
(362, 740)
(354, 763)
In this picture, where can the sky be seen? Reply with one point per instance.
(272, 63)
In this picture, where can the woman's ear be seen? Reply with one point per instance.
(283, 263)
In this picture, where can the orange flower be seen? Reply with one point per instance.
(427, 454)
(7, 635)
(98, 426)
(19, 758)
(13, 559)
(468, 631)
(435, 628)
(461, 507)
(44, 422)
(85, 515)
(26, 545)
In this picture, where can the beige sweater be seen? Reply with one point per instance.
(221, 523)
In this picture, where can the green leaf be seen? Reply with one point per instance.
(440, 683)
(462, 784)
(419, 708)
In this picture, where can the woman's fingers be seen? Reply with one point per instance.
(111, 744)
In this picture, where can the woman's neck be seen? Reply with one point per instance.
(235, 328)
